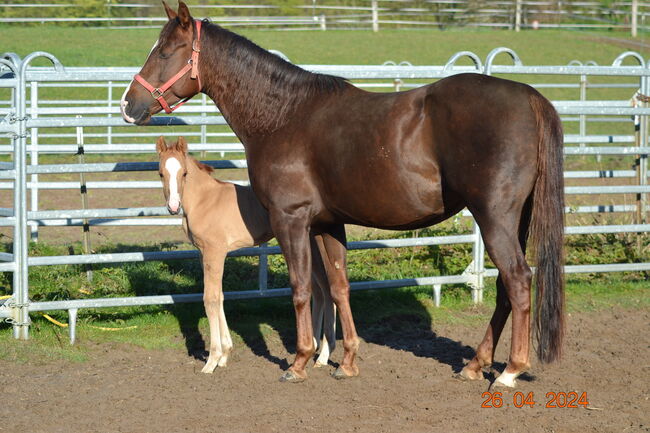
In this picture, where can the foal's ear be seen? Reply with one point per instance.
(181, 145)
(184, 15)
(171, 13)
(161, 144)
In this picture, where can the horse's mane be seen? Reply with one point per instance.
(269, 89)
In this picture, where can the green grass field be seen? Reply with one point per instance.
(107, 47)
(161, 326)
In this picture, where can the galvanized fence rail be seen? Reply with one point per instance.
(25, 120)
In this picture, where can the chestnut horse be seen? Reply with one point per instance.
(219, 217)
(323, 153)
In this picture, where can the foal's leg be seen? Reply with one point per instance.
(323, 314)
(332, 246)
(292, 232)
(328, 342)
(213, 262)
(318, 278)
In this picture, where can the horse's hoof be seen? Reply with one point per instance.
(340, 373)
(505, 382)
(291, 377)
(319, 364)
(466, 375)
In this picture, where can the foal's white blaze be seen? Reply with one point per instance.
(173, 166)
(123, 101)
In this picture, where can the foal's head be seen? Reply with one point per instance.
(172, 169)
(169, 55)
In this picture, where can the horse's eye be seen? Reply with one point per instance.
(164, 55)
(160, 174)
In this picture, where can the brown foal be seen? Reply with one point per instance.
(219, 217)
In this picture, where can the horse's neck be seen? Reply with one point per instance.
(256, 92)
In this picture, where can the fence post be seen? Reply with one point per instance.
(323, 22)
(20, 249)
(518, 15)
(109, 130)
(375, 16)
(583, 118)
(34, 158)
(642, 167)
(479, 266)
(263, 271)
(634, 20)
(204, 129)
(84, 198)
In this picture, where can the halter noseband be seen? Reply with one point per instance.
(192, 64)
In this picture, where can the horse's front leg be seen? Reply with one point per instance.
(292, 233)
(220, 342)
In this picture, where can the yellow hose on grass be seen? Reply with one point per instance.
(101, 328)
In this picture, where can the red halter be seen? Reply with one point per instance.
(192, 64)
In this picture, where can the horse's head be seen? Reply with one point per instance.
(172, 168)
(170, 73)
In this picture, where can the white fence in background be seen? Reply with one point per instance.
(28, 119)
(512, 14)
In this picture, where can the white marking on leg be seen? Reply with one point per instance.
(507, 379)
(172, 165)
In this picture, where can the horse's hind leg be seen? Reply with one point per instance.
(513, 294)
(332, 246)
(213, 262)
(485, 351)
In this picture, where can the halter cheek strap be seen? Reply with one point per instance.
(192, 65)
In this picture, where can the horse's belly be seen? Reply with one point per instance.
(384, 203)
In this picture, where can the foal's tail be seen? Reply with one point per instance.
(547, 232)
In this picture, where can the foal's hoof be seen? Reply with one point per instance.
(341, 373)
(291, 377)
(319, 364)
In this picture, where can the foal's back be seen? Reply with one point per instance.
(227, 215)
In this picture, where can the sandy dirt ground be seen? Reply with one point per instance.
(406, 385)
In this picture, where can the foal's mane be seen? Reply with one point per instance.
(201, 166)
(261, 89)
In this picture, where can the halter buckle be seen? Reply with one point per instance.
(195, 46)
(156, 93)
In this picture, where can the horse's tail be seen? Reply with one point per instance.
(547, 232)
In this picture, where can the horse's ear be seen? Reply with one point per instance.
(181, 145)
(161, 144)
(184, 15)
(171, 13)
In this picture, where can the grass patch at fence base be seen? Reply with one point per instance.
(268, 322)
